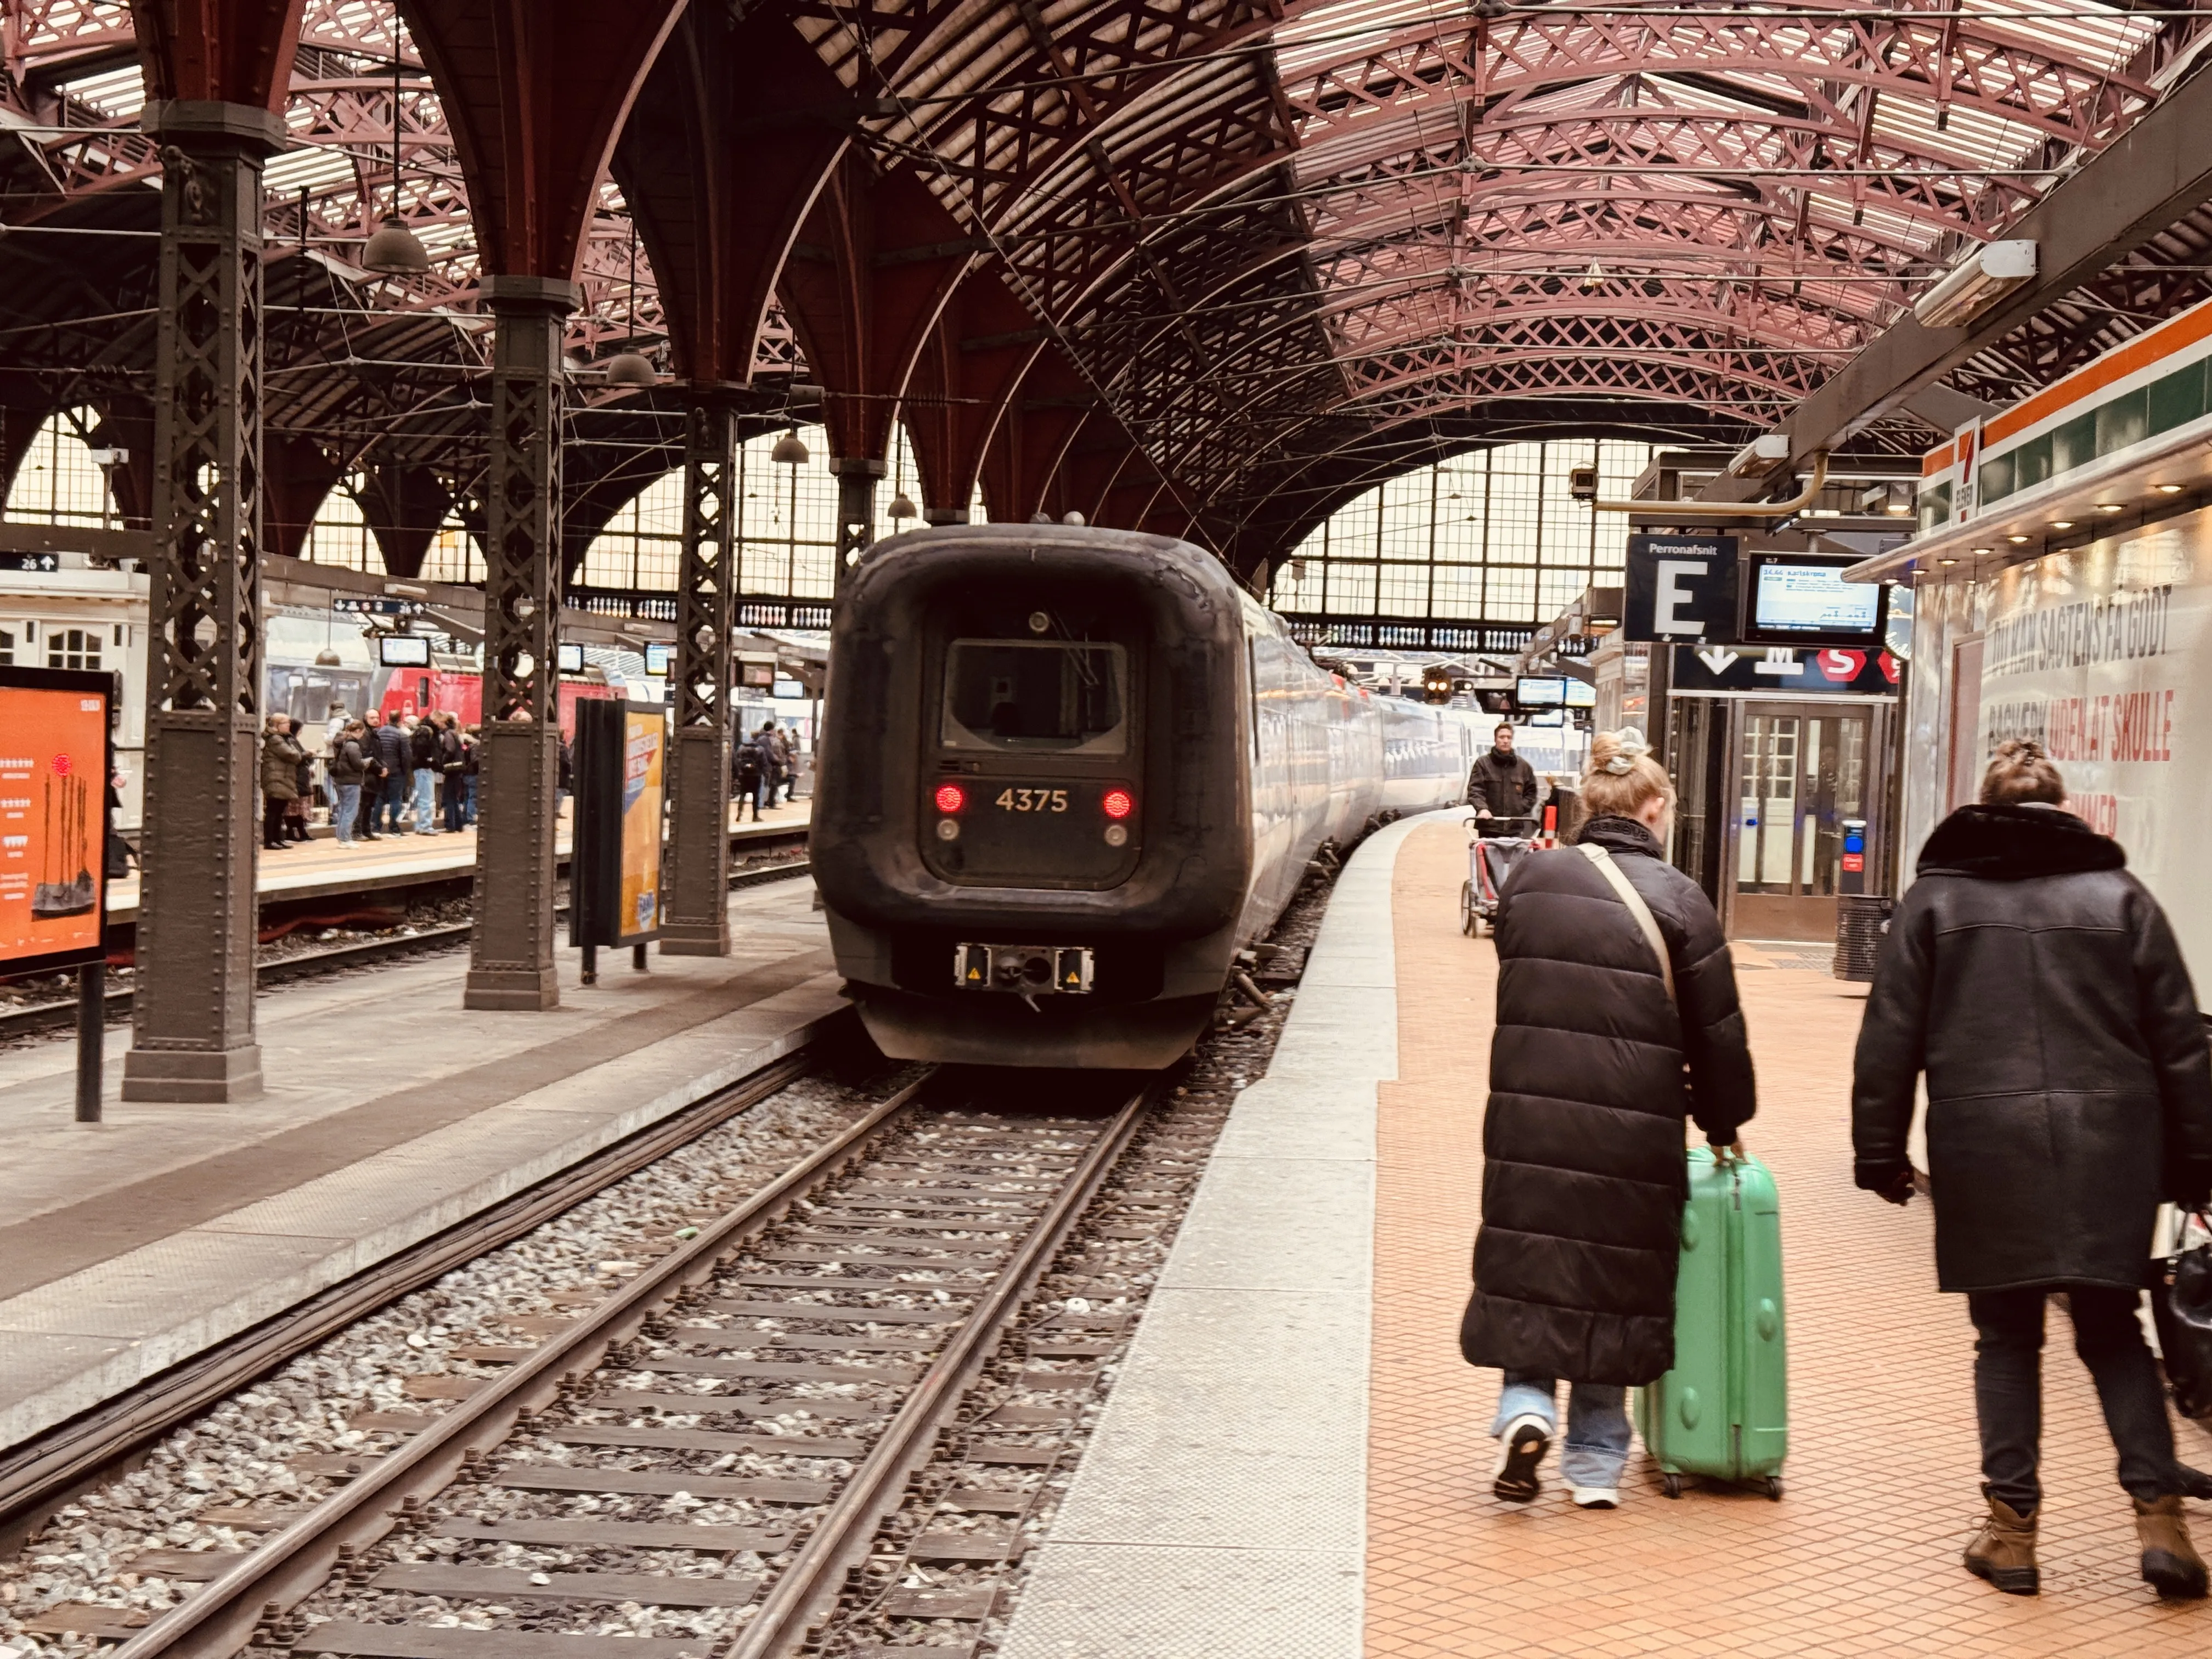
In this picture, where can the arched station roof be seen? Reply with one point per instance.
(1202, 266)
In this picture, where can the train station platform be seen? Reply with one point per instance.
(391, 1114)
(1294, 1462)
(325, 868)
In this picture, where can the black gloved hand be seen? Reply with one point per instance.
(1889, 1182)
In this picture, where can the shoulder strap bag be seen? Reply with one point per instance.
(1628, 895)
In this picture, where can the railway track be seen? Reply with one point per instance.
(338, 958)
(704, 1460)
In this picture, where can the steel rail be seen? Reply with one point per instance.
(47, 1471)
(293, 1563)
(308, 964)
(805, 1593)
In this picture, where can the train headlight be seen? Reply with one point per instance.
(1117, 834)
(948, 828)
(1118, 803)
(950, 797)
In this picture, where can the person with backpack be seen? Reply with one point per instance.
(2036, 987)
(1601, 1051)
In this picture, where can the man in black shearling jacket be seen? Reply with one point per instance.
(2037, 984)
(1502, 786)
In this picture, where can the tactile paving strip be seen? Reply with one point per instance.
(1860, 1555)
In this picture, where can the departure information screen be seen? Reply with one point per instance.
(1812, 598)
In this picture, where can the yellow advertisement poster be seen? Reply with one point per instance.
(644, 751)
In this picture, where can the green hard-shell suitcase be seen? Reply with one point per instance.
(1723, 1411)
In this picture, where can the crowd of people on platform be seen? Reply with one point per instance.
(402, 774)
(761, 763)
(406, 774)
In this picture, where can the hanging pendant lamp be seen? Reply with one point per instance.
(393, 250)
(631, 368)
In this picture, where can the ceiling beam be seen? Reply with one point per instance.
(2156, 174)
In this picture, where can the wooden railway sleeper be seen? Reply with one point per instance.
(233, 1610)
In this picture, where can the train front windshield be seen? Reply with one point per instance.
(1034, 697)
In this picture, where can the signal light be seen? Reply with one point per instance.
(950, 797)
(1119, 802)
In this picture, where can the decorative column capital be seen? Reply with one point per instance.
(196, 124)
(545, 295)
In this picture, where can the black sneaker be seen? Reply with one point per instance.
(1520, 1448)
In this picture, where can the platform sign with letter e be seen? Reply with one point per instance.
(54, 768)
(1681, 590)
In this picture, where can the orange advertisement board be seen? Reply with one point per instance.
(53, 818)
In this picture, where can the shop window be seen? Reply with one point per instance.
(1934, 504)
(2123, 421)
(72, 647)
(2176, 399)
(1996, 479)
(2032, 463)
(2074, 444)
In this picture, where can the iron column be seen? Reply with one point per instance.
(191, 1035)
(856, 511)
(696, 922)
(511, 952)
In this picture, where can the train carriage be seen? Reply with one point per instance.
(1067, 774)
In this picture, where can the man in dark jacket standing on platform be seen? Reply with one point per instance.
(2038, 985)
(1502, 786)
(395, 753)
(1595, 1064)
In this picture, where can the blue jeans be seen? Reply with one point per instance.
(471, 808)
(1598, 1435)
(426, 784)
(341, 815)
(384, 811)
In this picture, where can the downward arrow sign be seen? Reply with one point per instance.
(1718, 662)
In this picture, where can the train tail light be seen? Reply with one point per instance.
(1118, 804)
(950, 797)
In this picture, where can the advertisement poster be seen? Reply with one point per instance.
(2100, 656)
(53, 816)
(620, 768)
(644, 748)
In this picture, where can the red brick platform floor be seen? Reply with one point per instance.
(1861, 1554)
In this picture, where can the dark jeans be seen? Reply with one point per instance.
(2009, 1390)
(384, 811)
(456, 800)
(272, 821)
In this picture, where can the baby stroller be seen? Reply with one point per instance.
(1491, 859)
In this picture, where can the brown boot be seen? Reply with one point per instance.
(2003, 1551)
(2171, 1564)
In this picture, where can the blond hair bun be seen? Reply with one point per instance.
(1622, 776)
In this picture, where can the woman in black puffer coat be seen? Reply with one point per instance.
(2038, 985)
(1592, 1071)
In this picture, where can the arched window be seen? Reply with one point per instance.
(340, 534)
(454, 556)
(72, 647)
(642, 545)
(59, 480)
(1491, 536)
(785, 522)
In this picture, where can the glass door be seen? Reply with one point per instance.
(1801, 773)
